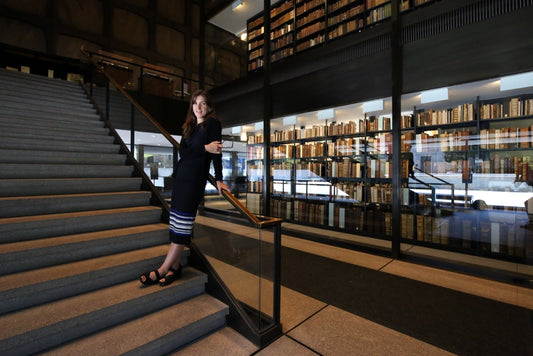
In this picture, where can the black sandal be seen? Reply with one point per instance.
(149, 281)
(168, 279)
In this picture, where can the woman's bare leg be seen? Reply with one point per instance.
(173, 258)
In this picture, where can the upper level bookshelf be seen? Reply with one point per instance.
(297, 25)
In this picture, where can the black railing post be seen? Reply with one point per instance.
(107, 100)
(277, 274)
(132, 132)
(397, 88)
(91, 68)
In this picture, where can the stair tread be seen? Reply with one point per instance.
(27, 278)
(23, 219)
(65, 196)
(225, 341)
(136, 333)
(40, 316)
(89, 236)
(32, 186)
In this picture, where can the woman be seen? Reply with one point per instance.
(201, 144)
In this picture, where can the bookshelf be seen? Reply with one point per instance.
(297, 25)
(255, 37)
(466, 171)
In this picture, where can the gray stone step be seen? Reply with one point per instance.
(37, 98)
(63, 203)
(56, 132)
(51, 120)
(29, 288)
(17, 171)
(23, 256)
(69, 93)
(33, 109)
(27, 187)
(50, 225)
(125, 305)
(225, 341)
(157, 333)
(39, 81)
(56, 145)
(38, 156)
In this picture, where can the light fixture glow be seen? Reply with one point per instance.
(326, 114)
(374, 105)
(516, 81)
(244, 136)
(433, 95)
(237, 4)
(289, 120)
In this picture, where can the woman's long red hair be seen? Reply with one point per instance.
(191, 121)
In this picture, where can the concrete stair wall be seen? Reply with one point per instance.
(76, 232)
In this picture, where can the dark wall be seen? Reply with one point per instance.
(450, 42)
(168, 112)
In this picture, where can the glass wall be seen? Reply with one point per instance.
(466, 170)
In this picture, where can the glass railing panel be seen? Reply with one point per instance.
(243, 255)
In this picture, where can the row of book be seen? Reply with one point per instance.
(455, 140)
(307, 5)
(379, 14)
(310, 17)
(497, 233)
(351, 218)
(278, 55)
(280, 33)
(354, 11)
(282, 42)
(369, 124)
(516, 107)
(275, 11)
(491, 232)
(345, 28)
(461, 113)
(309, 30)
(506, 137)
(255, 152)
(521, 167)
(443, 142)
(334, 6)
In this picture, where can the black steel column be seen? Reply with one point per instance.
(201, 64)
(397, 87)
(267, 108)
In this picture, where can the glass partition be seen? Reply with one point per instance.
(243, 256)
(466, 173)
(473, 152)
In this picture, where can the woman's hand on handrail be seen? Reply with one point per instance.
(222, 186)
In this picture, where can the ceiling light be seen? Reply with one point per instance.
(374, 105)
(237, 4)
(289, 120)
(516, 81)
(326, 114)
(430, 96)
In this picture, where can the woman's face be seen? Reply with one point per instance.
(200, 107)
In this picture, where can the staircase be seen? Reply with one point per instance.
(76, 231)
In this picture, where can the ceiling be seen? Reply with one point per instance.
(234, 20)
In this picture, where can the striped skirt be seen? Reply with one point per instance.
(181, 225)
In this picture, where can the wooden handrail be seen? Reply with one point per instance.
(227, 195)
